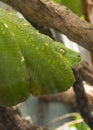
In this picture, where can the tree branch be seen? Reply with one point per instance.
(10, 120)
(52, 15)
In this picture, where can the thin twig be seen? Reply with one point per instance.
(70, 123)
(62, 117)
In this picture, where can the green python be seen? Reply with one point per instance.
(31, 62)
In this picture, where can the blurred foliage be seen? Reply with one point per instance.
(74, 5)
(58, 1)
(80, 126)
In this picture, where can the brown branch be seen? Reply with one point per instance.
(82, 100)
(87, 6)
(10, 120)
(50, 14)
(70, 97)
(86, 71)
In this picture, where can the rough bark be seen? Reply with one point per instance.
(82, 100)
(48, 13)
(70, 97)
(10, 120)
(87, 7)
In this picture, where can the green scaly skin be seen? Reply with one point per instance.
(14, 79)
(49, 63)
